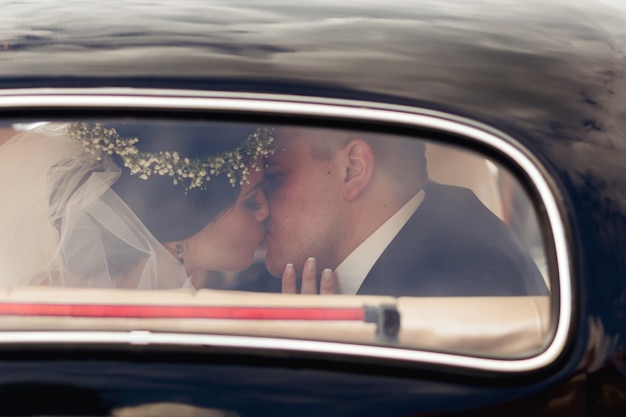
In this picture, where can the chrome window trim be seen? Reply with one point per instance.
(99, 98)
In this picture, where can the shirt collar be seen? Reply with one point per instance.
(351, 273)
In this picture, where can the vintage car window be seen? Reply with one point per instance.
(414, 243)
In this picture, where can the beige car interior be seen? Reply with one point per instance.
(508, 327)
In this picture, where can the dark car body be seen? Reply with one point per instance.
(549, 75)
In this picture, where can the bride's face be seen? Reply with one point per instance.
(228, 243)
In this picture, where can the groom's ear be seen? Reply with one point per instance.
(359, 167)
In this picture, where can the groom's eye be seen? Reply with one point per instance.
(273, 177)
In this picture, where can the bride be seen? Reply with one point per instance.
(130, 205)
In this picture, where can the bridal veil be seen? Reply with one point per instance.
(61, 224)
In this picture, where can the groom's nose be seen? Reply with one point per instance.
(264, 210)
(265, 187)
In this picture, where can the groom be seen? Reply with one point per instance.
(362, 205)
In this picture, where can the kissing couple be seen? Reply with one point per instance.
(148, 204)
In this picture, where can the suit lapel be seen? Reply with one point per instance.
(402, 255)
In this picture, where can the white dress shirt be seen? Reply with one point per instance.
(351, 273)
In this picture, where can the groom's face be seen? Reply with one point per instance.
(304, 196)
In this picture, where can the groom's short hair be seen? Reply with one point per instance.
(398, 155)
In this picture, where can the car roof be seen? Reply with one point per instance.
(550, 63)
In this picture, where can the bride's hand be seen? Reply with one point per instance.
(309, 275)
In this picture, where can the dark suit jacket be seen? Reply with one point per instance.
(454, 246)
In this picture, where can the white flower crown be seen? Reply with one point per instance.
(98, 139)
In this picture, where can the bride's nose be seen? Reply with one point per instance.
(264, 208)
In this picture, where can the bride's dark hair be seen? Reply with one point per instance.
(170, 211)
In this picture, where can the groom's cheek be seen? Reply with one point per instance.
(272, 247)
(272, 264)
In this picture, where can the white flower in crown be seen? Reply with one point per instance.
(191, 173)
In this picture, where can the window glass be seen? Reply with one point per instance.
(286, 231)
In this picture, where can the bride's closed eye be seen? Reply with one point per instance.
(253, 203)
